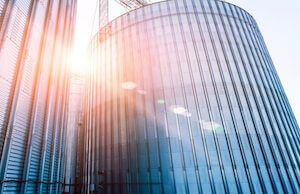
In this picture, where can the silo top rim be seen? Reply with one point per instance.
(153, 3)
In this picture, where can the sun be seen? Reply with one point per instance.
(79, 63)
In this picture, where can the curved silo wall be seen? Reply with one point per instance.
(183, 98)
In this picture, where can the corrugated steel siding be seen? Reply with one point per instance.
(32, 74)
(2, 3)
(8, 57)
(184, 98)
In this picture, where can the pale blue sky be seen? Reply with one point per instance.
(279, 22)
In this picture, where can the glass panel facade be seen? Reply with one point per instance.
(35, 37)
(183, 98)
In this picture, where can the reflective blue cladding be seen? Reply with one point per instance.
(183, 97)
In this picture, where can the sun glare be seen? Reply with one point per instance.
(78, 63)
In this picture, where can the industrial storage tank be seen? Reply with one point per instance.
(183, 97)
(35, 41)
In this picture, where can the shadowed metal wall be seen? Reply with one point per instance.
(35, 38)
(74, 122)
(183, 98)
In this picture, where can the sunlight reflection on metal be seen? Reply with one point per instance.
(210, 125)
(188, 114)
(179, 110)
(128, 85)
(142, 92)
(160, 101)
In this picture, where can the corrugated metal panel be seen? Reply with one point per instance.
(184, 98)
(14, 165)
(48, 129)
(2, 3)
(33, 153)
(2, 6)
(8, 57)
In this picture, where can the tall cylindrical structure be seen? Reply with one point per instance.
(183, 97)
(35, 41)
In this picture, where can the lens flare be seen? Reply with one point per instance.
(180, 110)
(210, 125)
(128, 85)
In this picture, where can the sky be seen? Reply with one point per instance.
(278, 20)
